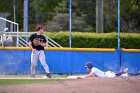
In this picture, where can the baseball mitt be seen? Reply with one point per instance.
(36, 42)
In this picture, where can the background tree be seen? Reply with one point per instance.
(82, 19)
(7, 6)
(55, 14)
(44, 9)
(130, 13)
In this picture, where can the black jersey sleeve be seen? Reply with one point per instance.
(44, 39)
(31, 38)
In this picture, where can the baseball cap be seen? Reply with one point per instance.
(38, 27)
(88, 65)
(6, 29)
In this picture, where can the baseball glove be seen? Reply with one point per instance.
(36, 42)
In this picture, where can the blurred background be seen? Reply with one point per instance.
(94, 25)
(88, 16)
(54, 14)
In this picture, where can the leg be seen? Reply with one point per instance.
(34, 59)
(44, 64)
(122, 73)
(109, 74)
(119, 74)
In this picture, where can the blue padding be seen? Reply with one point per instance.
(131, 60)
(67, 62)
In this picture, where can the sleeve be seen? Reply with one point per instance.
(44, 40)
(31, 38)
(93, 70)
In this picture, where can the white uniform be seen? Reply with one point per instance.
(100, 73)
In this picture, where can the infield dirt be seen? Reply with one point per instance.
(93, 85)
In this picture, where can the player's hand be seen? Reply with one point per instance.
(43, 44)
(79, 78)
(33, 50)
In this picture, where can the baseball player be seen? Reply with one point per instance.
(37, 42)
(98, 73)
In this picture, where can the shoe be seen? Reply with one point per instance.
(126, 70)
(139, 73)
(48, 75)
(124, 75)
(32, 75)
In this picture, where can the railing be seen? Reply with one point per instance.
(21, 39)
(12, 27)
(12, 37)
(52, 43)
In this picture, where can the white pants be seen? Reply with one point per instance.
(110, 74)
(38, 55)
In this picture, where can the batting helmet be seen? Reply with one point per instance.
(89, 65)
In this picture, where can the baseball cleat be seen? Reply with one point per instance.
(126, 70)
(48, 75)
(33, 76)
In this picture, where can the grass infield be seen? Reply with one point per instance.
(29, 81)
(26, 79)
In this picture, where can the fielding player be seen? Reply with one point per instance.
(37, 42)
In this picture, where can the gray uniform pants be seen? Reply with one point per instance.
(35, 56)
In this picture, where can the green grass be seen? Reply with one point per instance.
(28, 81)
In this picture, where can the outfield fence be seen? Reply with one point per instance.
(15, 60)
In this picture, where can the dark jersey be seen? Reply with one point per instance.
(41, 38)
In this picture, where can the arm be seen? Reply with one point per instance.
(30, 46)
(91, 74)
(30, 41)
(43, 44)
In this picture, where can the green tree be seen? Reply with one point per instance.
(82, 19)
(130, 12)
(44, 9)
(7, 6)
(130, 20)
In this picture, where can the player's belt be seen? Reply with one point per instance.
(38, 50)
